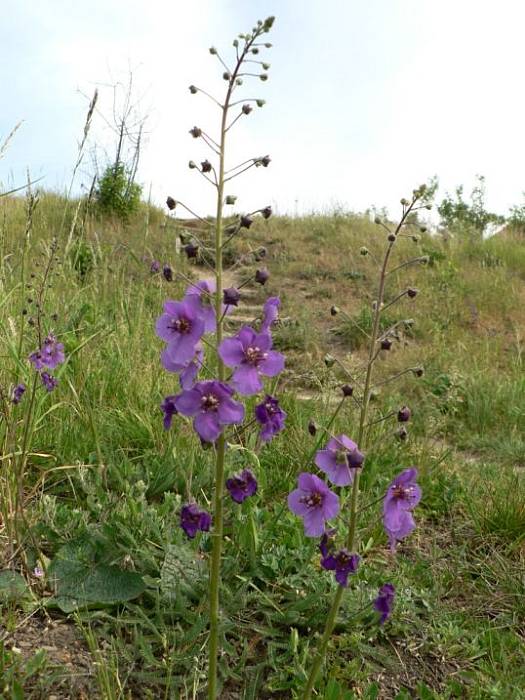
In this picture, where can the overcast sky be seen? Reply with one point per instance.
(365, 99)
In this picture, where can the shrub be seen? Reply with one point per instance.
(117, 194)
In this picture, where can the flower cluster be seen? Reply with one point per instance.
(49, 356)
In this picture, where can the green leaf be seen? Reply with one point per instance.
(13, 586)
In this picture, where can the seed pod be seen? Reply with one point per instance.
(171, 203)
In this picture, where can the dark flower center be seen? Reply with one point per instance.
(254, 355)
(314, 500)
(181, 325)
(209, 402)
(401, 492)
(271, 408)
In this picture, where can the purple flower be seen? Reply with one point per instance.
(193, 519)
(181, 326)
(48, 381)
(52, 353)
(402, 496)
(270, 313)
(343, 563)
(154, 267)
(403, 415)
(271, 417)
(37, 360)
(314, 502)
(201, 296)
(339, 460)
(241, 485)
(167, 273)
(187, 372)
(212, 407)
(18, 391)
(169, 410)
(385, 602)
(251, 355)
(231, 296)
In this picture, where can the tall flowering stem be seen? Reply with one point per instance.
(362, 440)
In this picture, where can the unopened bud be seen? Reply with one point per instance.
(412, 292)
(171, 203)
(415, 238)
(230, 199)
(192, 165)
(206, 166)
(428, 206)
(403, 415)
(235, 43)
(265, 161)
(262, 276)
(191, 250)
(213, 50)
(312, 428)
(334, 310)
(401, 434)
(424, 259)
(329, 360)
(245, 222)
(255, 50)
(260, 103)
(231, 296)
(386, 344)
(193, 89)
(404, 202)
(266, 212)
(246, 109)
(347, 390)
(263, 76)
(377, 220)
(419, 371)
(196, 132)
(391, 237)
(265, 66)
(363, 250)
(355, 458)
(226, 75)
(423, 229)
(238, 81)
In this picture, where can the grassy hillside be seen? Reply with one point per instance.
(104, 481)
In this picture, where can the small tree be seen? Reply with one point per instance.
(459, 216)
(116, 194)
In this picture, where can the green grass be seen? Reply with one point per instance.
(103, 470)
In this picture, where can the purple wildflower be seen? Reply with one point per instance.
(187, 372)
(18, 391)
(270, 313)
(181, 326)
(169, 410)
(48, 381)
(231, 296)
(343, 563)
(251, 355)
(154, 267)
(193, 519)
(404, 414)
(339, 460)
(37, 360)
(212, 407)
(271, 417)
(201, 295)
(52, 353)
(241, 486)
(326, 544)
(385, 602)
(314, 502)
(402, 496)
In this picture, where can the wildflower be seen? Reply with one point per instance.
(18, 391)
(262, 276)
(201, 295)
(385, 602)
(314, 502)
(231, 296)
(403, 415)
(181, 326)
(169, 410)
(52, 352)
(401, 498)
(38, 572)
(48, 381)
(339, 459)
(343, 563)
(167, 273)
(271, 417)
(211, 406)
(193, 519)
(270, 313)
(241, 486)
(251, 355)
(187, 372)
(37, 360)
(154, 267)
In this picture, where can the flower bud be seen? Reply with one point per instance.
(428, 206)
(245, 222)
(196, 132)
(391, 237)
(263, 77)
(193, 89)
(238, 81)
(247, 108)
(329, 360)
(386, 344)
(403, 415)
(167, 273)
(230, 199)
(404, 202)
(255, 50)
(213, 50)
(377, 220)
(231, 296)
(419, 371)
(268, 46)
(424, 260)
(235, 43)
(347, 390)
(171, 203)
(206, 166)
(312, 428)
(401, 434)
(334, 310)
(191, 250)
(266, 212)
(192, 165)
(265, 161)
(423, 229)
(363, 250)
(412, 292)
(262, 276)
(260, 103)
(261, 252)
(226, 75)
(265, 66)
(415, 238)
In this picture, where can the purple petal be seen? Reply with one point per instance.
(273, 365)
(330, 505)
(207, 426)
(189, 402)
(295, 503)
(230, 411)
(246, 380)
(314, 522)
(231, 352)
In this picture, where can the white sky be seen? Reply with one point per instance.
(365, 100)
